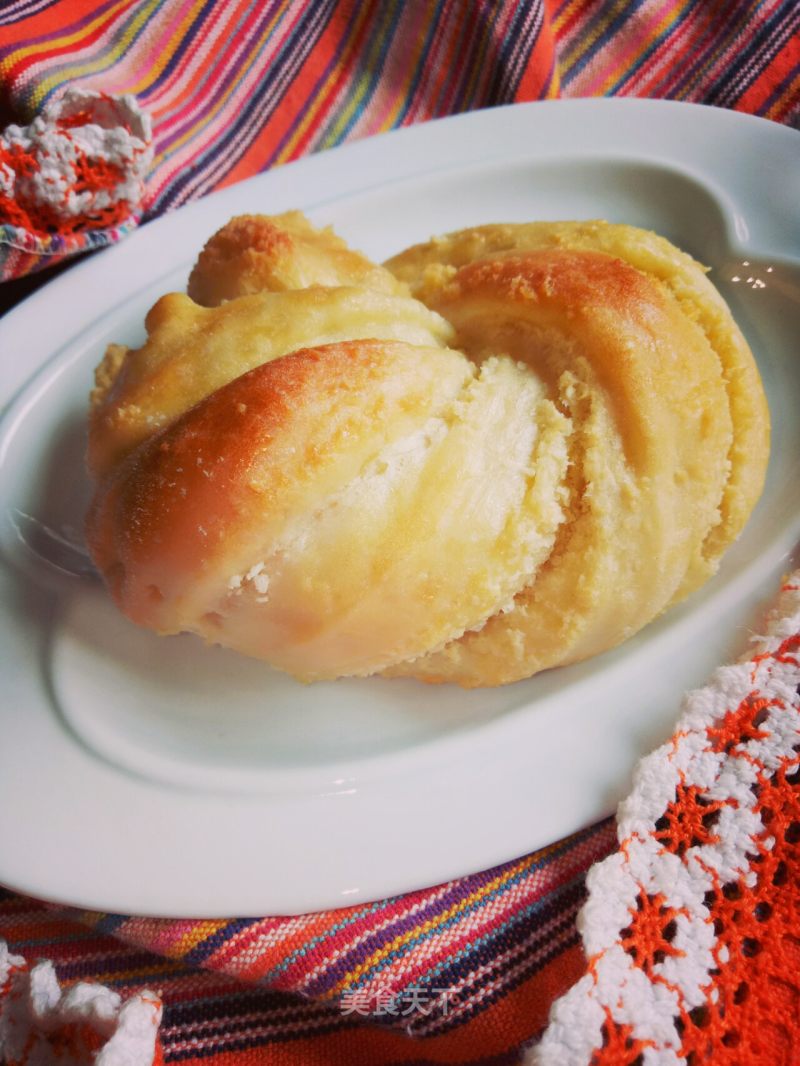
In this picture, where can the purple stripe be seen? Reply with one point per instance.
(70, 28)
(21, 10)
(779, 91)
(760, 49)
(266, 96)
(358, 953)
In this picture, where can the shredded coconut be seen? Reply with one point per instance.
(255, 576)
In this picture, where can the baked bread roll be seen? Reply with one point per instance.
(505, 450)
(254, 253)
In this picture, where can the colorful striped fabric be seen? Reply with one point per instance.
(235, 87)
(468, 968)
(741, 54)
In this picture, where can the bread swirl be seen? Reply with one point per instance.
(504, 450)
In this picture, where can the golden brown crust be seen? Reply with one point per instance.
(259, 474)
(257, 253)
(715, 450)
(167, 514)
(315, 477)
(426, 267)
(191, 351)
(638, 376)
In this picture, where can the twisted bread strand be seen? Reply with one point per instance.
(519, 465)
(672, 432)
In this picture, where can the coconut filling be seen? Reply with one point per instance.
(564, 607)
(388, 567)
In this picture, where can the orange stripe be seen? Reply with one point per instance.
(513, 1020)
(754, 97)
(643, 41)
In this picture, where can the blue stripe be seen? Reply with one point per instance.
(344, 41)
(387, 35)
(610, 30)
(433, 25)
(545, 905)
(215, 156)
(200, 952)
(770, 38)
(480, 903)
(654, 45)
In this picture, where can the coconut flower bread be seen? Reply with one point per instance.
(504, 450)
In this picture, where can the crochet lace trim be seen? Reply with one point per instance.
(691, 928)
(80, 165)
(42, 1026)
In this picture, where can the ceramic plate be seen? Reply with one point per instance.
(155, 776)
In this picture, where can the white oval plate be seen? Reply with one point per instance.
(155, 776)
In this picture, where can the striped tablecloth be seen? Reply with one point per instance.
(239, 86)
(464, 972)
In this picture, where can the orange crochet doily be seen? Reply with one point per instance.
(79, 165)
(692, 928)
(42, 1026)
(72, 180)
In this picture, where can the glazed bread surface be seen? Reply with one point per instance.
(504, 450)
